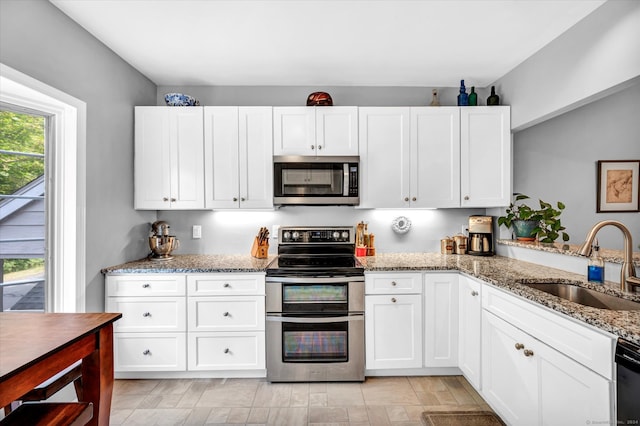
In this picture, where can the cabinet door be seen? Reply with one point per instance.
(187, 164)
(509, 379)
(221, 157)
(470, 329)
(256, 157)
(440, 320)
(294, 131)
(435, 157)
(337, 130)
(393, 331)
(485, 157)
(149, 314)
(152, 158)
(384, 157)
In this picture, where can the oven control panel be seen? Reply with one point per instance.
(310, 235)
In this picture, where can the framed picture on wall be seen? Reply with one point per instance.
(618, 186)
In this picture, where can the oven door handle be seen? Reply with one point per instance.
(313, 280)
(315, 320)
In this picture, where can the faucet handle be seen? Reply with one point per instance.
(633, 281)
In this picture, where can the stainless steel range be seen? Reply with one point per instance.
(315, 307)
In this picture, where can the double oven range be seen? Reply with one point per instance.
(315, 307)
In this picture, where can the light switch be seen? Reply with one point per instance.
(197, 232)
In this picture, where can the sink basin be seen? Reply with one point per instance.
(585, 296)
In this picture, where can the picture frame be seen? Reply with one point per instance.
(618, 186)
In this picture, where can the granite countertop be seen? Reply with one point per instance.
(608, 255)
(503, 272)
(192, 263)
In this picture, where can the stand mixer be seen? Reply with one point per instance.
(160, 242)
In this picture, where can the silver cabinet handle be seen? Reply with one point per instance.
(146, 285)
(227, 350)
(393, 300)
(146, 352)
(319, 146)
(414, 199)
(393, 283)
(165, 199)
(226, 285)
(528, 352)
(173, 200)
(235, 198)
(474, 293)
(519, 346)
(226, 314)
(242, 199)
(406, 198)
(313, 147)
(466, 198)
(146, 314)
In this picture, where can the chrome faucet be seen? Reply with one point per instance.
(628, 277)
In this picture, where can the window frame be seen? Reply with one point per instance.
(66, 185)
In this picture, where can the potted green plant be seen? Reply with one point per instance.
(530, 224)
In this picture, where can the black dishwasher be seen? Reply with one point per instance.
(628, 379)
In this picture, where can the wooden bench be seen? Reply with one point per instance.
(50, 386)
(50, 414)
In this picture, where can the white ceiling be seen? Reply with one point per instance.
(326, 42)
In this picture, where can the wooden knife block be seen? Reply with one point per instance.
(260, 251)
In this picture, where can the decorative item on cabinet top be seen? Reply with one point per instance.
(319, 99)
(180, 99)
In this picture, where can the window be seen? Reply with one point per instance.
(22, 209)
(64, 238)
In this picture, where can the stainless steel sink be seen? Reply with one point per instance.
(585, 296)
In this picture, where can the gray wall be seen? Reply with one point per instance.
(37, 39)
(556, 160)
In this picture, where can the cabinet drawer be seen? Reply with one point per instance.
(395, 283)
(590, 347)
(144, 314)
(225, 284)
(227, 351)
(150, 351)
(226, 313)
(145, 285)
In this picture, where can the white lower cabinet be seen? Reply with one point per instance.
(393, 320)
(529, 382)
(469, 334)
(180, 323)
(151, 335)
(440, 319)
(226, 319)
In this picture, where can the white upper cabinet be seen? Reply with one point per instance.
(238, 157)
(384, 157)
(428, 157)
(315, 130)
(169, 168)
(435, 157)
(485, 158)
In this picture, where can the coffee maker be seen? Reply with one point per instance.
(160, 242)
(480, 236)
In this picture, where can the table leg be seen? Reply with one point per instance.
(97, 376)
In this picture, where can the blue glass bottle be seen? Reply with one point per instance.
(463, 98)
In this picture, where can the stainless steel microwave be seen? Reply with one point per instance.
(331, 180)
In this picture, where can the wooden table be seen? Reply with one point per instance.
(35, 346)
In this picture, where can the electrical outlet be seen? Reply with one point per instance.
(274, 232)
(197, 232)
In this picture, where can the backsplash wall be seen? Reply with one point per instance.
(232, 232)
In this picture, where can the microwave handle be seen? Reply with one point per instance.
(345, 180)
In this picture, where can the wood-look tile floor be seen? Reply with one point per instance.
(377, 401)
